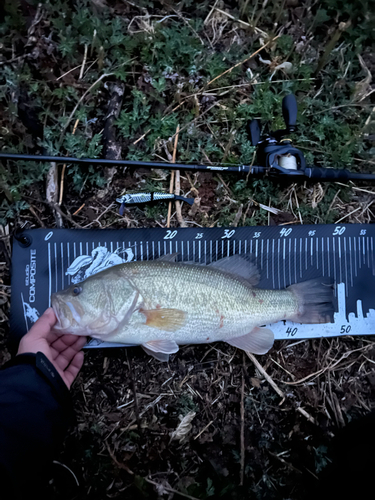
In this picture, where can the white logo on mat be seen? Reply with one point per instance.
(31, 314)
(86, 265)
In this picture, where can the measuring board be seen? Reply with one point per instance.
(53, 259)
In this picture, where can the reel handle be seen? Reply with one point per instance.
(290, 108)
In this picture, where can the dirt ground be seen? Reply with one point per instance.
(253, 427)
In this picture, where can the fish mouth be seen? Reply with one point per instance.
(56, 310)
(63, 322)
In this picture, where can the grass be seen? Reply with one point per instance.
(57, 65)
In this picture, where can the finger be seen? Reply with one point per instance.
(63, 341)
(43, 326)
(72, 371)
(65, 357)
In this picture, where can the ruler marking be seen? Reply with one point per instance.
(239, 247)
(355, 255)
(311, 251)
(317, 252)
(334, 258)
(350, 261)
(300, 257)
(153, 250)
(87, 248)
(359, 253)
(68, 254)
(364, 250)
(205, 252)
(372, 255)
(273, 263)
(234, 247)
(228, 248)
(159, 249)
(368, 251)
(245, 246)
(49, 275)
(256, 249)
(305, 253)
(188, 250)
(147, 254)
(182, 251)
(194, 251)
(55, 249)
(251, 247)
(329, 258)
(268, 253)
(217, 249)
(62, 267)
(135, 250)
(199, 251)
(340, 260)
(278, 263)
(211, 252)
(346, 269)
(295, 260)
(261, 256)
(111, 246)
(222, 248)
(80, 248)
(290, 251)
(141, 245)
(323, 255)
(284, 263)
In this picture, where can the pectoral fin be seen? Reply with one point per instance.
(258, 341)
(160, 349)
(169, 320)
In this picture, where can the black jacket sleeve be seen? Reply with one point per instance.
(35, 412)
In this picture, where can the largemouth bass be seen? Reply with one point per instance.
(163, 304)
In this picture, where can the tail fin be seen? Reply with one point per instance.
(315, 301)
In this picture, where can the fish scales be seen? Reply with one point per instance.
(161, 304)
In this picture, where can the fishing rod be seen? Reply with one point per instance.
(276, 155)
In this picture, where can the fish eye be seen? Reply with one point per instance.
(77, 290)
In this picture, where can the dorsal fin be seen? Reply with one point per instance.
(239, 266)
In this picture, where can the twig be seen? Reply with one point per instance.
(242, 62)
(64, 167)
(52, 191)
(266, 376)
(83, 63)
(204, 429)
(79, 209)
(136, 407)
(307, 415)
(120, 465)
(104, 75)
(238, 216)
(168, 488)
(31, 208)
(210, 13)
(177, 190)
(172, 175)
(242, 423)
(55, 206)
(258, 30)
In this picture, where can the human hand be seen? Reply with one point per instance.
(63, 350)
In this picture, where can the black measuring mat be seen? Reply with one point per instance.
(45, 261)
